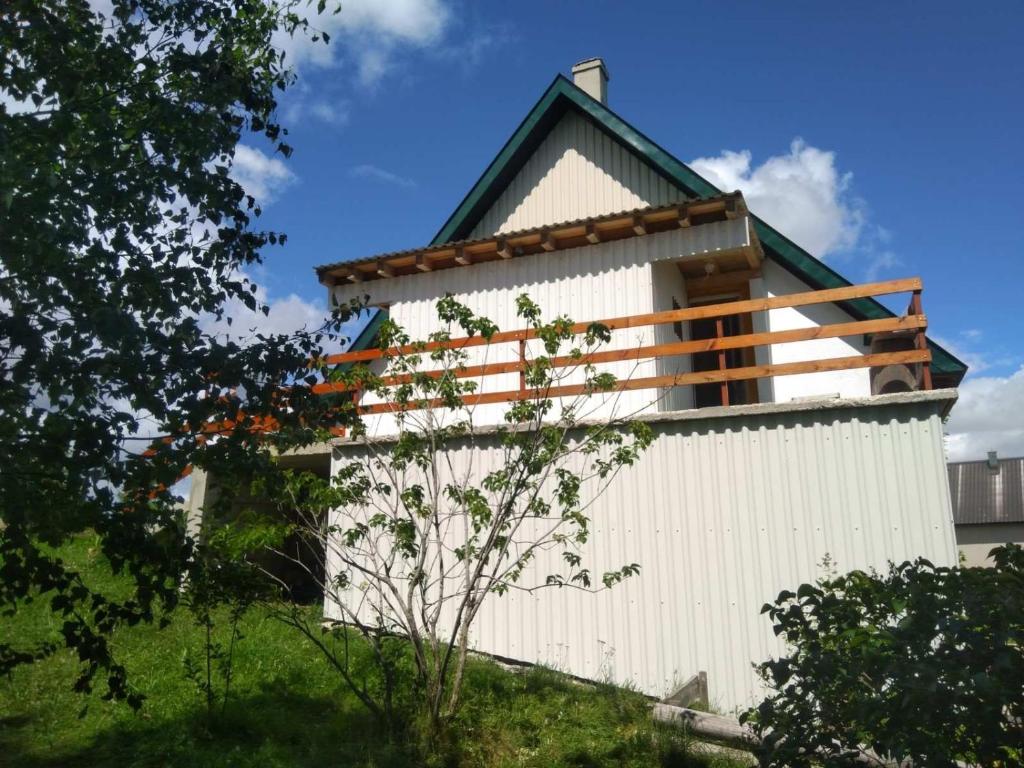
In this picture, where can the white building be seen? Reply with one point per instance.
(817, 443)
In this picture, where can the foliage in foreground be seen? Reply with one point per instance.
(124, 242)
(409, 544)
(288, 709)
(920, 663)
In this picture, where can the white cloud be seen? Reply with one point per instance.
(333, 114)
(260, 176)
(961, 347)
(801, 193)
(367, 171)
(989, 416)
(287, 315)
(15, 106)
(880, 263)
(302, 104)
(370, 33)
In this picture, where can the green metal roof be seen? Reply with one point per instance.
(561, 96)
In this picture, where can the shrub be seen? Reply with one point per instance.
(921, 663)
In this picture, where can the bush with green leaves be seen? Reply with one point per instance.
(220, 587)
(921, 663)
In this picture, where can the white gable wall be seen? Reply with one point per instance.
(776, 281)
(576, 172)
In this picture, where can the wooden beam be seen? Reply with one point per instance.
(354, 276)
(422, 264)
(716, 727)
(719, 282)
(603, 228)
(658, 318)
(677, 380)
(463, 258)
(701, 207)
(671, 349)
(732, 733)
(384, 269)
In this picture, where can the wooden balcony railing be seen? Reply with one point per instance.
(913, 322)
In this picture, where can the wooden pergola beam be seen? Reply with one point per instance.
(593, 230)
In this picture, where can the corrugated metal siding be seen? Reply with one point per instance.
(983, 495)
(722, 514)
(588, 283)
(577, 171)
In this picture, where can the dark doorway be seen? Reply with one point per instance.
(711, 394)
(739, 392)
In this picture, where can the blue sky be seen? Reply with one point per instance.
(886, 138)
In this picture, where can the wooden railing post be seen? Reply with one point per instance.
(722, 364)
(921, 340)
(522, 365)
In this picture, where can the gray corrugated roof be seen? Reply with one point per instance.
(985, 495)
(643, 211)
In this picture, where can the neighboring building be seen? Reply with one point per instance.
(823, 439)
(988, 505)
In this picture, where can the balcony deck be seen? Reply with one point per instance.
(913, 324)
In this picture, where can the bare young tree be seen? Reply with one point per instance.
(416, 529)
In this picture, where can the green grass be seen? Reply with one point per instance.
(288, 708)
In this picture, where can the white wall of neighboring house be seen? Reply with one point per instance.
(975, 541)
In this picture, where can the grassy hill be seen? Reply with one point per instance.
(289, 709)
